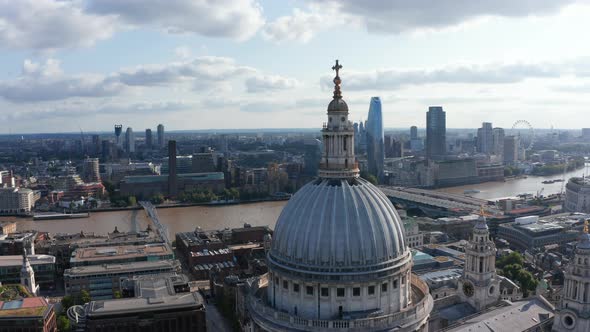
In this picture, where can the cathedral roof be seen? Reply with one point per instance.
(338, 223)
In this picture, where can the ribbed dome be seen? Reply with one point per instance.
(338, 223)
(338, 105)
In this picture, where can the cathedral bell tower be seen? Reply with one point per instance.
(338, 159)
(573, 312)
(27, 275)
(480, 286)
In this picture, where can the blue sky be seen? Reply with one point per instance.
(202, 64)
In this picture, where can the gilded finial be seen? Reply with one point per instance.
(586, 227)
(337, 81)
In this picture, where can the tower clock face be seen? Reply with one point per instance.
(468, 289)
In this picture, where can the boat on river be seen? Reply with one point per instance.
(54, 216)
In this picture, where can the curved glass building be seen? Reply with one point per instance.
(375, 147)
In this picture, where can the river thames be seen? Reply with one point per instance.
(184, 219)
(513, 187)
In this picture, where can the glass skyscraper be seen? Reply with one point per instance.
(375, 147)
(436, 132)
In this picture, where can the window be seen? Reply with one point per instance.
(296, 288)
(309, 290)
(285, 284)
(277, 280)
(395, 284)
(384, 287)
(371, 290)
(340, 292)
(325, 291)
(356, 291)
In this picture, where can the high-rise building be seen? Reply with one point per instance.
(485, 138)
(160, 135)
(118, 131)
(90, 170)
(149, 140)
(436, 133)
(586, 134)
(375, 146)
(95, 145)
(498, 142)
(394, 148)
(129, 140)
(172, 178)
(413, 132)
(511, 149)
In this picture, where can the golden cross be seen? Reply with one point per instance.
(337, 67)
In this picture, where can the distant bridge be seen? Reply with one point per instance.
(162, 230)
(437, 199)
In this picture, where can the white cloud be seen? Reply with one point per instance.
(473, 74)
(300, 26)
(397, 16)
(183, 52)
(46, 81)
(50, 24)
(263, 83)
(239, 19)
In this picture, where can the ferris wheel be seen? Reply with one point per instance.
(525, 133)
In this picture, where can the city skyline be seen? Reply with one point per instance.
(117, 62)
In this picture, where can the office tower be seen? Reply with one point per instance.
(393, 148)
(355, 127)
(203, 162)
(160, 135)
(90, 170)
(118, 131)
(106, 151)
(485, 138)
(172, 179)
(436, 132)
(362, 144)
(498, 142)
(149, 141)
(95, 145)
(413, 132)
(375, 146)
(129, 140)
(511, 147)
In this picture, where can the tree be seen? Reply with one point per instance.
(63, 323)
(157, 199)
(117, 294)
(131, 200)
(67, 301)
(85, 296)
(512, 258)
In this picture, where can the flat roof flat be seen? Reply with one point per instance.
(17, 260)
(136, 305)
(97, 254)
(80, 271)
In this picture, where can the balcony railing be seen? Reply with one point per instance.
(420, 310)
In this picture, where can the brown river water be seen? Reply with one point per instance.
(180, 219)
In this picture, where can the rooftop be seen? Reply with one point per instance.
(27, 307)
(17, 260)
(122, 268)
(517, 316)
(97, 254)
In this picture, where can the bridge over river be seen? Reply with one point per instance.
(435, 202)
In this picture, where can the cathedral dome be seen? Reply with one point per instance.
(338, 105)
(338, 225)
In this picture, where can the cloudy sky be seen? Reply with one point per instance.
(203, 64)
